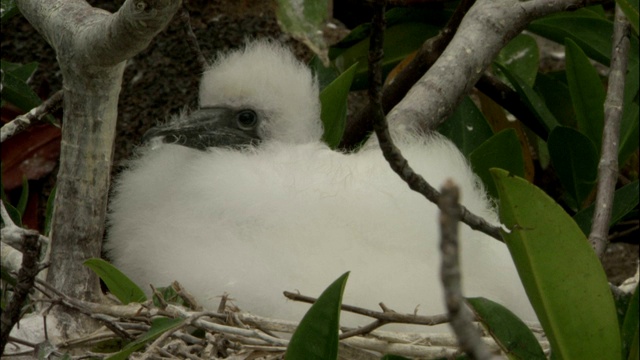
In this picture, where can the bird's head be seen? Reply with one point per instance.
(258, 93)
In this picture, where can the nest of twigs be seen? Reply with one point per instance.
(165, 328)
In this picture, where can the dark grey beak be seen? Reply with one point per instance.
(210, 127)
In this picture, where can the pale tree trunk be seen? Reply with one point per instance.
(92, 46)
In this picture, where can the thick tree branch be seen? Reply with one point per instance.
(91, 46)
(395, 90)
(613, 106)
(488, 26)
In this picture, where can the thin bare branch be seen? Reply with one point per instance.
(391, 152)
(613, 107)
(23, 121)
(387, 316)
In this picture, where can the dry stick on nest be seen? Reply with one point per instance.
(388, 316)
(141, 313)
(391, 153)
(461, 319)
(613, 106)
(23, 121)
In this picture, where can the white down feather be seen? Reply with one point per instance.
(291, 214)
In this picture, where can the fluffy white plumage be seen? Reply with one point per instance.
(291, 214)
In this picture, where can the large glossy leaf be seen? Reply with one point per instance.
(510, 333)
(466, 127)
(158, 327)
(557, 97)
(399, 41)
(9, 9)
(317, 334)
(625, 200)
(502, 151)
(521, 57)
(430, 14)
(575, 160)
(630, 328)
(21, 71)
(304, 20)
(629, 133)
(334, 107)
(561, 274)
(325, 74)
(118, 283)
(14, 214)
(587, 93)
(534, 102)
(17, 92)
(591, 33)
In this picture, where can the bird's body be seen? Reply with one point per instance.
(291, 214)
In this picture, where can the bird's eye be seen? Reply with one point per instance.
(247, 119)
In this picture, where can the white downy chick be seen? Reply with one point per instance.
(243, 197)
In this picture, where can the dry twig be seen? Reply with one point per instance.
(459, 314)
(613, 105)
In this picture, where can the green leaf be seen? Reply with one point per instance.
(399, 41)
(561, 274)
(510, 333)
(629, 331)
(9, 10)
(587, 93)
(325, 74)
(393, 357)
(334, 107)
(118, 283)
(17, 92)
(21, 71)
(24, 197)
(625, 200)
(575, 160)
(521, 57)
(169, 295)
(630, 9)
(502, 151)
(629, 133)
(48, 214)
(14, 214)
(429, 14)
(466, 127)
(304, 20)
(591, 33)
(158, 327)
(556, 96)
(317, 334)
(534, 102)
